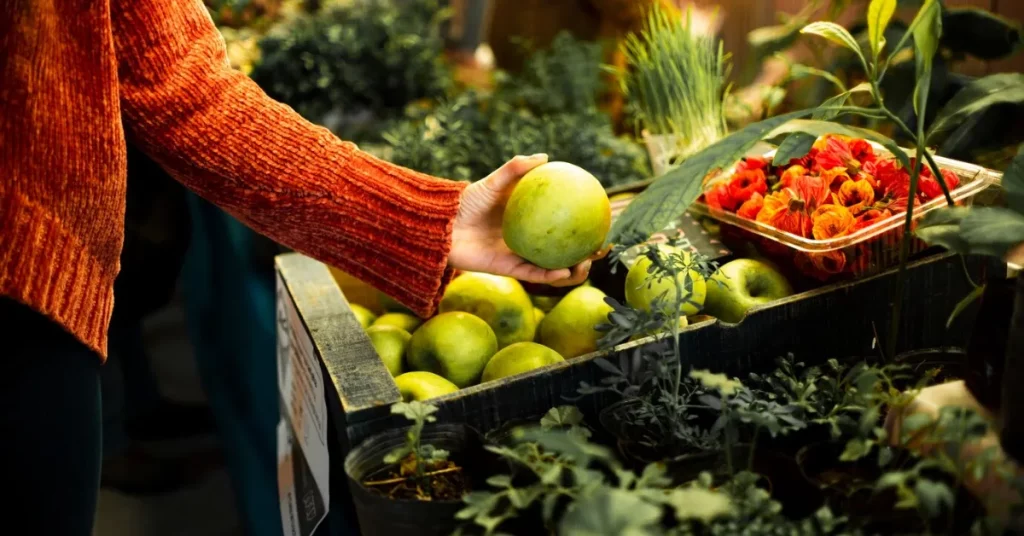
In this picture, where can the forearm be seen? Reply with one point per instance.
(219, 134)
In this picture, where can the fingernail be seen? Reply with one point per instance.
(538, 156)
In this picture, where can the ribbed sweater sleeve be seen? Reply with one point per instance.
(221, 136)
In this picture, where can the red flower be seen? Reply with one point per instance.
(719, 198)
(862, 151)
(752, 162)
(930, 187)
(751, 207)
(790, 176)
(888, 174)
(833, 152)
(745, 184)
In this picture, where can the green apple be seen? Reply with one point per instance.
(405, 321)
(454, 345)
(742, 284)
(423, 385)
(390, 343)
(642, 289)
(519, 358)
(363, 315)
(569, 328)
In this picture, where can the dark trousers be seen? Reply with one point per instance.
(50, 425)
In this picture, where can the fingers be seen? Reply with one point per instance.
(513, 170)
(556, 278)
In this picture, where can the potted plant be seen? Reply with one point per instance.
(412, 481)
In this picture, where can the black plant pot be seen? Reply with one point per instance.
(848, 487)
(638, 443)
(383, 516)
(951, 363)
(1011, 435)
(986, 349)
(778, 474)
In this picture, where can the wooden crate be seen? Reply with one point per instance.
(834, 321)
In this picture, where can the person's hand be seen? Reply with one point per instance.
(477, 242)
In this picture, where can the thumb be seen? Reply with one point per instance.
(513, 170)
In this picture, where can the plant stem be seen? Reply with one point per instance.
(405, 478)
(905, 241)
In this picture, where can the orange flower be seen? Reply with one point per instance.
(830, 221)
(869, 217)
(835, 177)
(856, 195)
(813, 190)
(791, 174)
(786, 211)
(751, 207)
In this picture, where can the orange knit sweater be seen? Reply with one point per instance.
(72, 72)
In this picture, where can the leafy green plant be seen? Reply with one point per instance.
(671, 195)
(676, 78)
(368, 57)
(550, 108)
(414, 457)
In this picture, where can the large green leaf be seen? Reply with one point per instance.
(799, 71)
(992, 230)
(672, 193)
(927, 30)
(610, 512)
(835, 33)
(821, 128)
(1013, 182)
(981, 33)
(796, 145)
(941, 227)
(768, 40)
(978, 96)
(880, 12)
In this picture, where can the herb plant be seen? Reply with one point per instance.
(417, 462)
(676, 79)
(369, 57)
(551, 107)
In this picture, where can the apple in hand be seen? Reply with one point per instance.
(742, 284)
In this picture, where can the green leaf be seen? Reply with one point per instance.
(562, 416)
(980, 33)
(941, 227)
(415, 411)
(963, 304)
(927, 29)
(913, 424)
(397, 454)
(796, 145)
(671, 194)
(856, 449)
(933, 497)
(700, 504)
(521, 498)
(891, 480)
(768, 40)
(610, 512)
(976, 97)
(835, 33)
(831, 108)
(1013, 182)
(499, 481)
(799, 71)
(880, 12)
(992, 230)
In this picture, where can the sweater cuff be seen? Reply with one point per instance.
(406, 224)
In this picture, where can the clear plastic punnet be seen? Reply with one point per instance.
(861, 253)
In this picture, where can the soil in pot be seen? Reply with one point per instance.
(778, 474)
(388, 501)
